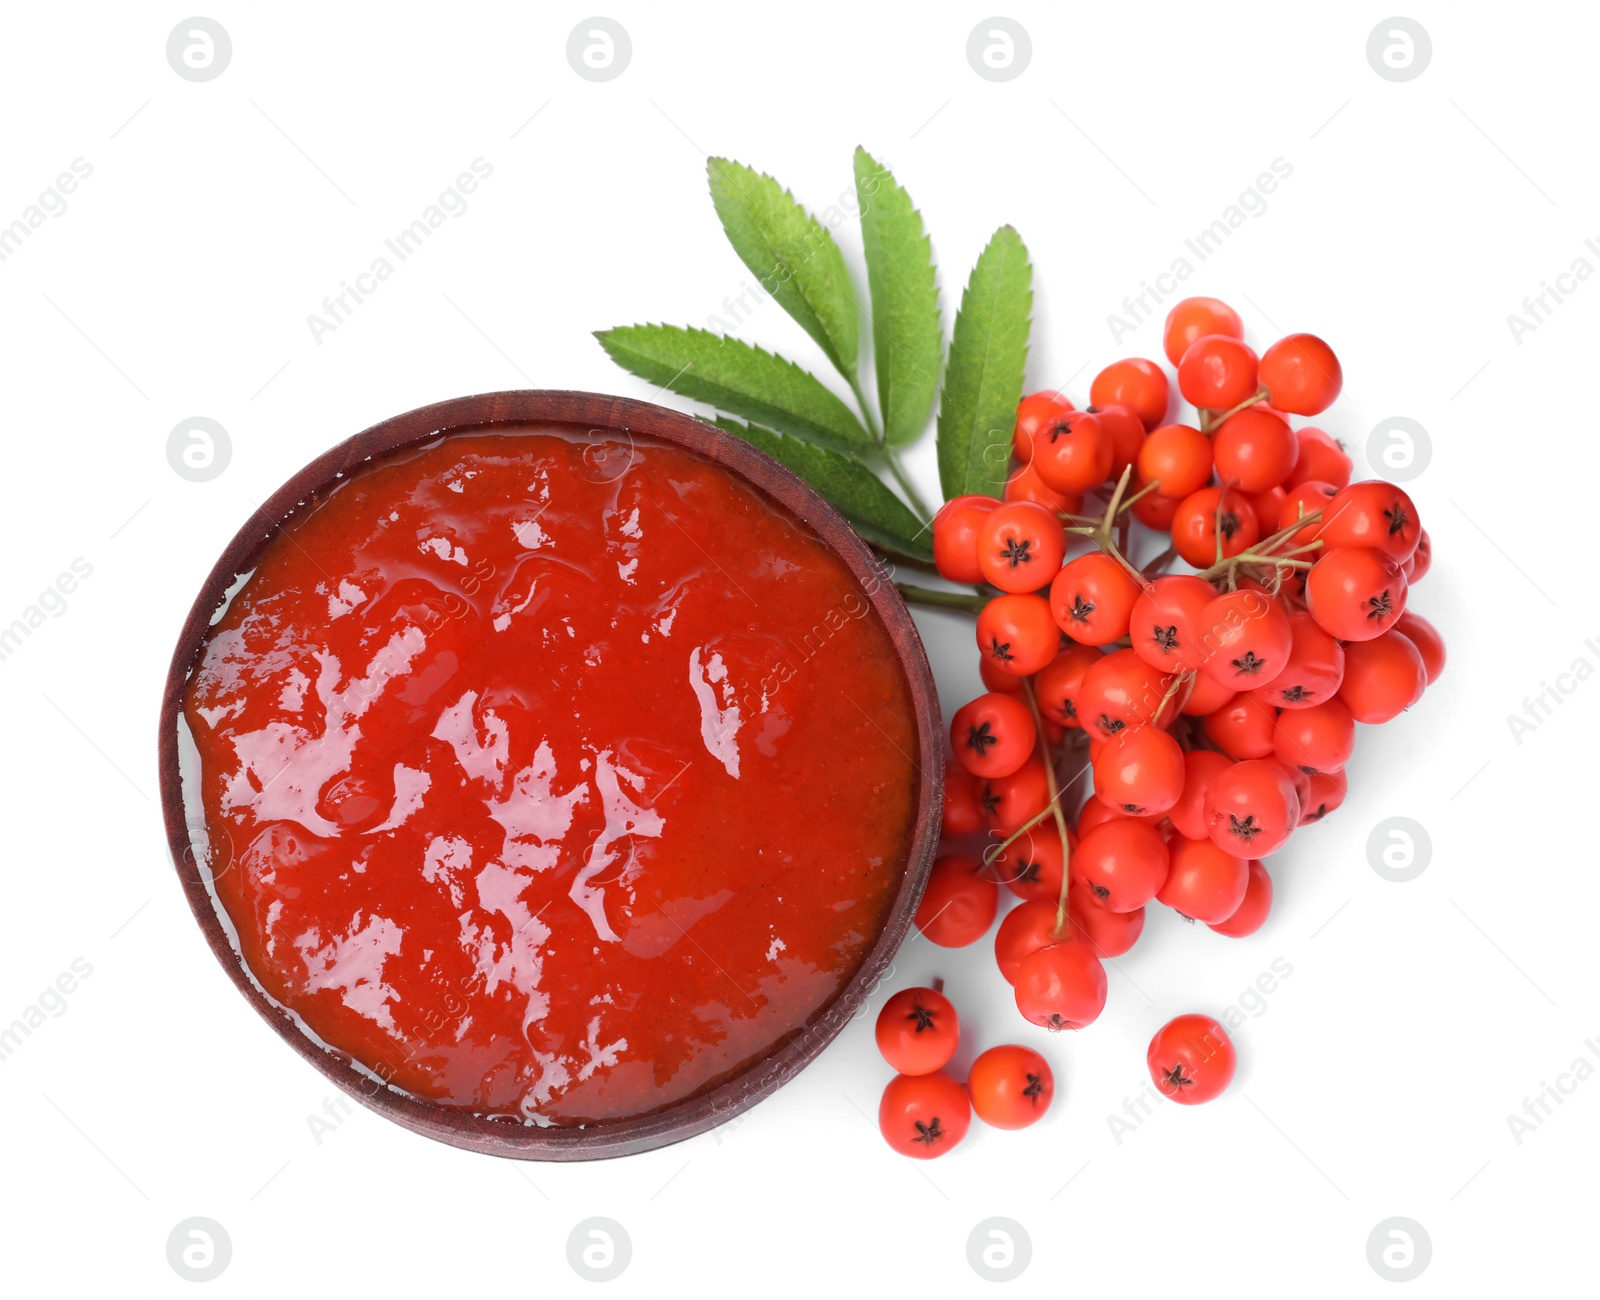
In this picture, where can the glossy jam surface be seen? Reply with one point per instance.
(552, 775)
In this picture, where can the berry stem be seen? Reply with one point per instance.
(918, 505)
(891, 561)
(1270, 543)
(1183, 682)
(1209, 420)
(1228, 566)
(992, 854)
(907, 486)
(866, 410)
(1116, 499)
(1100, 533)
(1161, 562)
(1152, 486)
(1055, 792)
(972, 603)
(1265, 550)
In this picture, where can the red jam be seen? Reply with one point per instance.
(552, 777)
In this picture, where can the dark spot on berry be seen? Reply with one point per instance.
(1000, 650)
(1081, 608)
(981, 737)
(1060, 427)
(923, 1017)
(1244, 827)
(1248, 665)
(1321, 812)
(1017, 551)
(1035, 1088)
(1069, 709)
(1100, 892)
(1397, 517)
(1057, 1022)
(1381, 605)
(1295, 694)
(991, 801)
(1176, 1078)
(1309, 771)
(1111, 725)
(1133, 809)
(1228, 524)
(1028, 872)
(1166, 638)
(929, 1133)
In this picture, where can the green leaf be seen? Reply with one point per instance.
(792, 255)
(734, 376)
(906, 337)
(983, 376)
(852, 489)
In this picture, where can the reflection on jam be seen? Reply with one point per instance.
(551, 776)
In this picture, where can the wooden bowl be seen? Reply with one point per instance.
(595, 414)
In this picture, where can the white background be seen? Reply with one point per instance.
(1378, 1079)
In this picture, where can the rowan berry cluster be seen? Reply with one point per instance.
(1215, 687)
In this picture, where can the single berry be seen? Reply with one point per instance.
(1217, 373)
(1191, 1059)
(959, 904)
(1062, 986)
(924, 1115)
(955, 537)
(992, 735)
(1301, 374)
(917, 1031)
(1196, 318)
(1252, 912)
(1011, 1087)
(1135, 383)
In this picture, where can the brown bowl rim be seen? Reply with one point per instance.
(598, 412)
